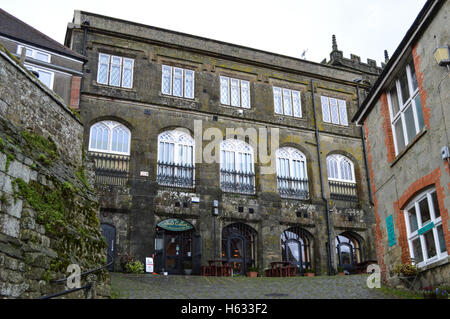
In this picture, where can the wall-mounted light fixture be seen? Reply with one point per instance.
(442, 55)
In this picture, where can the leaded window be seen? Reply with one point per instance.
(334, 111)
(287, 102)
(424, 229)
(177, 82)
(237, 167)
(234, 92)
(176, 159)
(292, 178)
(115, 71)
(405, 107)
(110, 137)
(341, 178)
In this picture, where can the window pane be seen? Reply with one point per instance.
(412, 219)
(42, 56)
(177, 82)
(394, 101)
(343, 112)
(417, 249)
(419, 112)
(103, 70)
(235, 94)
(429, 244)
(46, 78)
(127, 77)
(277, 101)
(334, 111)
(296, 101)
(325, 109)
(413, 75)
(245, 92)
(409, 122)
(424, 210)
(404, 86)
(189, 84)
(166, 80)
(437, 212)
(287, 102)
(224, 90)
(399, 136)
(441, 239)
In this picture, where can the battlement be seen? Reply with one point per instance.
(337, 59)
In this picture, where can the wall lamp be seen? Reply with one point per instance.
(442, 55)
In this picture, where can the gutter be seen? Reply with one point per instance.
(331, 270)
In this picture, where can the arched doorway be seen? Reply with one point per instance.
(348, 250)
(174, 247)
(296, 248)
(239, 247)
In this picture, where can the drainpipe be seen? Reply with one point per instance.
(366, 161)
(319, 155)
(85, 24)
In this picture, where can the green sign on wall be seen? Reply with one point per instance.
(174, 224)
(390, 230)
(425, 228)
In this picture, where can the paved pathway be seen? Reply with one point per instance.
(195, 287)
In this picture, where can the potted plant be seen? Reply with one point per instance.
(341, 271)
(406, 271)
(252, 272)
(187, 268)
(309, 272)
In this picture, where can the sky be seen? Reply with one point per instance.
(290, 27)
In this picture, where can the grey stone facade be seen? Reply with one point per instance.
(136, 209)
(48, 213)
(399, 178)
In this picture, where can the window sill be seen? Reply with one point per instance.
(178, 97)
(437, 263)
(408, 147)
(95, 83)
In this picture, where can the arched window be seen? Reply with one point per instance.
(110, 137)
(348, 250)
(239, 246)
(176, 159)
(236, 167)
(341, 178)
(340, 168)
(292, 178)
(296, 248)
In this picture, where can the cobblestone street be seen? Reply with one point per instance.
(196, 287)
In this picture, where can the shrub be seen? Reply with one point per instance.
(252, 269)
(135, 267)
(406, 270)
(309, 271)
(187, 265)
(340, 269)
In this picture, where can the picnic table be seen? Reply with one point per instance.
(281, 269)
(217, 267)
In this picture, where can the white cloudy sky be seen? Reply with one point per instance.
(362, 27)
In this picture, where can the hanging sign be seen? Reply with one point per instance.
(390, 230)
(174, 224)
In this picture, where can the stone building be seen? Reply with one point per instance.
(155, 103)
(406, 121)
(58, 67)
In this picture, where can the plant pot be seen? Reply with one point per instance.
(252, 274)
(188, 272)
(341, 274)
(310, 274)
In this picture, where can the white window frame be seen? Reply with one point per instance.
(111, 125)
(172, 81)
(291, 154)
(34, 53)
(283, 97)
(340, 114)
(411, 236)
(121, 76)
(340, 159)
(400, 116)
(240, 90)
(39, 69)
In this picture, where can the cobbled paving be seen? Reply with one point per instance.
(195, 287)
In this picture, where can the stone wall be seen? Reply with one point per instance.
(48, 212)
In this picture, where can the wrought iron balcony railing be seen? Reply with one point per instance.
(111, 169)
(343, 191)
(176, 175)
(237, 182)
(294, 188)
